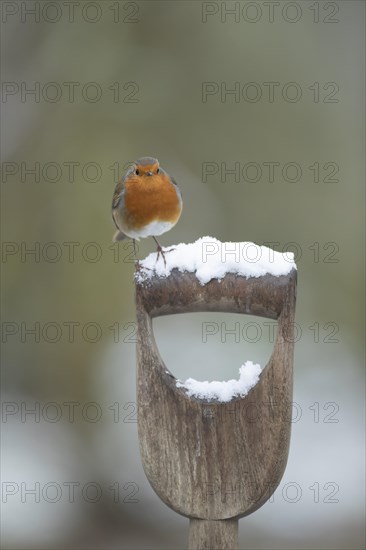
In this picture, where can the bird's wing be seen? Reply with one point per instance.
(176, 185)
(118, 197)
(118, 193)
(173, 181)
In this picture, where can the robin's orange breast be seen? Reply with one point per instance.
(149, 199)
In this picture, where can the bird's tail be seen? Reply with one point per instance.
(119, 236)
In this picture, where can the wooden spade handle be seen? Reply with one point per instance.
(214, 468)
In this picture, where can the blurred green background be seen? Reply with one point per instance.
(138, 72)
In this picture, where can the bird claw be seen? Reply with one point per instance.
(163, 252)
(160, 251)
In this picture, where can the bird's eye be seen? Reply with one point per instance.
(158, 171)
(137, 172)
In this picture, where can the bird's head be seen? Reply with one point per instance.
(146, 166)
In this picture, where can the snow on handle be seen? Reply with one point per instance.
(210, 259)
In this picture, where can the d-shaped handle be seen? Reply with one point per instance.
(209, 460)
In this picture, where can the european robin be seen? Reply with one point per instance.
(146, 202)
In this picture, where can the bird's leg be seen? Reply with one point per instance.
(160, 251)
(134, 248)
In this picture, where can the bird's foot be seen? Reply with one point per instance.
(160, 252)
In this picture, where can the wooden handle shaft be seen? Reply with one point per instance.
(213, 535)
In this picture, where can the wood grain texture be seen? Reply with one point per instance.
(205, 459)
(213, 535)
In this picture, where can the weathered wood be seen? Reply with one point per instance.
(205, 459)
(212, 535)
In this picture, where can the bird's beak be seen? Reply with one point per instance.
(149, 173)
